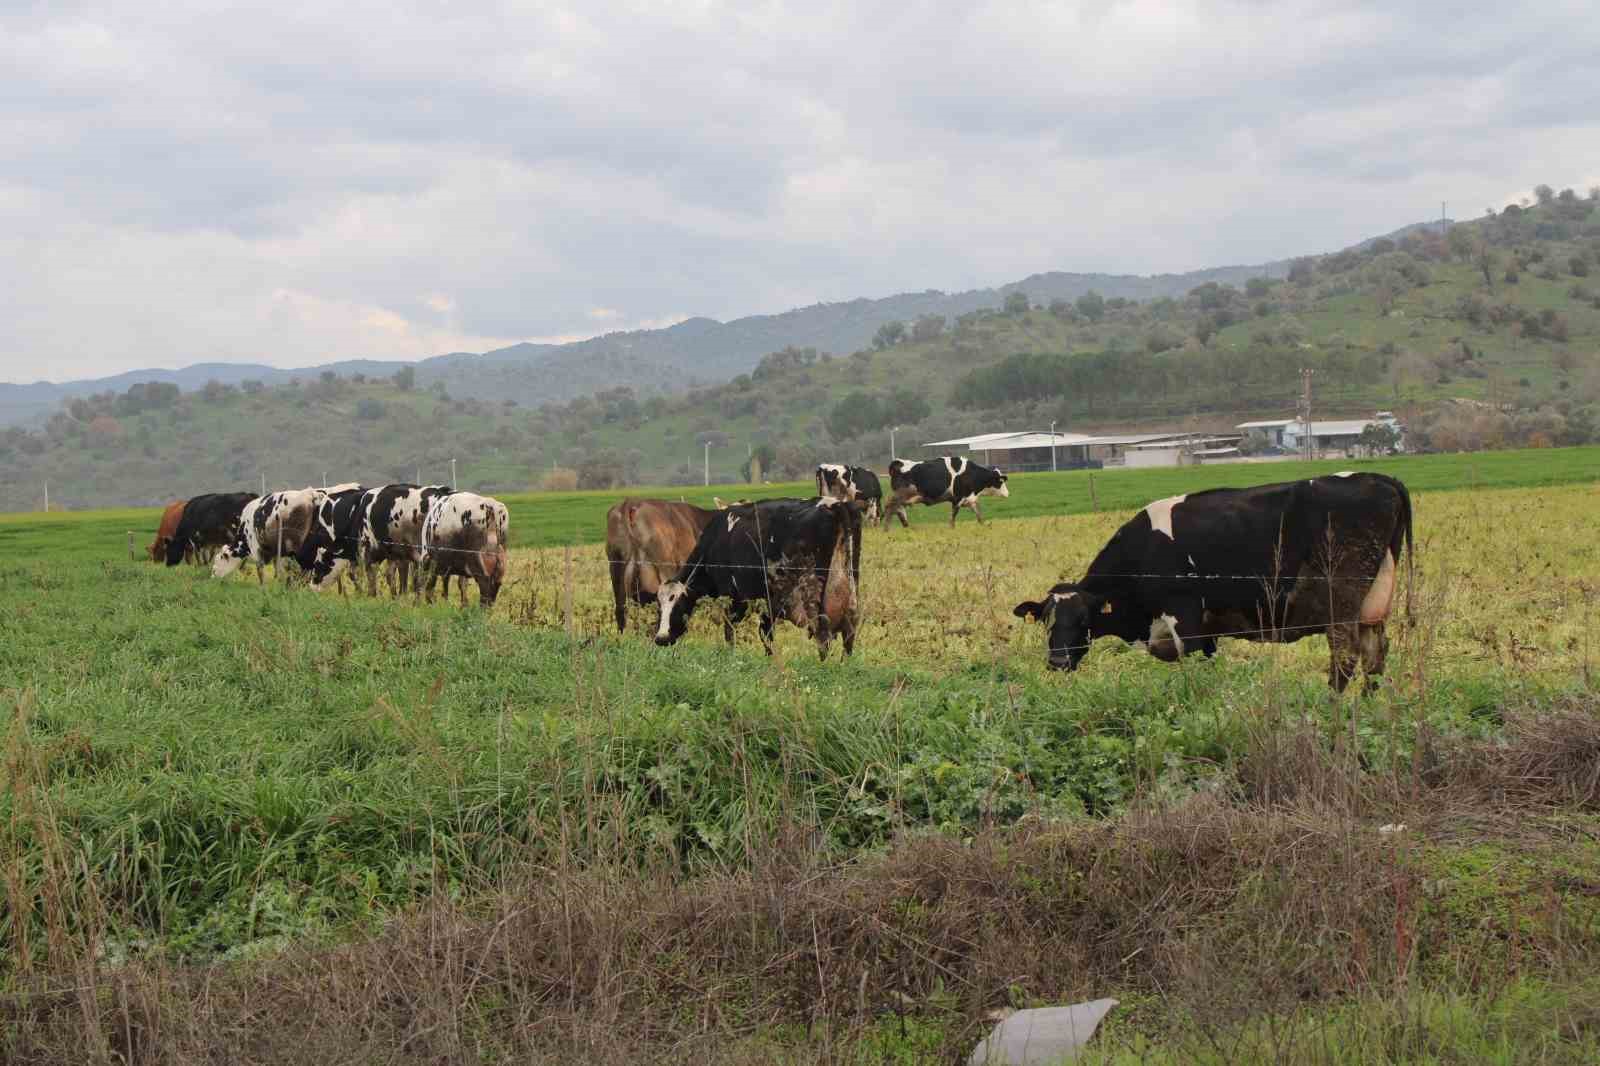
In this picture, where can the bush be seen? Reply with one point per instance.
(1579, 266)
(558, 479)
(370, 410)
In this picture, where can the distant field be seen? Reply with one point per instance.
(550, 519)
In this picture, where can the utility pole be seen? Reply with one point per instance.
(452, 475)
(263, 484)
(1308, 446)
(706, 472)
(892, 430)
(1052, 446)
(47, 496)
(1443, 225)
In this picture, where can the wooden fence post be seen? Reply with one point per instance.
(1093, 499)
(566, 592)
(130, 545)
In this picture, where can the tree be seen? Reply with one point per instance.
(405, 379)
(889, 334)
(252, 386)
(369, 409)
(904, 407)
(854, 415)
(1256, 288)
(764, 456)
(1379, 438)
(927, 327)
(1092, 305)
(1544, 194)
(1017, 303)
(1300, 271)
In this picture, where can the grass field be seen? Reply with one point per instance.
(557, 518)
(200, 770)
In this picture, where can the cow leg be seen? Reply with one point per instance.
(847, 631)
(766, 632)
(955, 509)
(461, 587)
(619, 591)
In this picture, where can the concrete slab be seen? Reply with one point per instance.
(1043, 1036)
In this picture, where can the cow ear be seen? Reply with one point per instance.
(1031, 610)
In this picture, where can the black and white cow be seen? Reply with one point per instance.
(1273, 563)
(334, 543)
(209, 521)
(948, 479)
(796, 560)
(852, 483)
(465, 535)
(392, 520)
(278, 520)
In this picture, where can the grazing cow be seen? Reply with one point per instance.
(465, 535)
(209, 521)
(852, 483)
(798, 560)
(646, 544)
(278, 520)
(947, 479)
(392, 520)
(1273, 563)
(334, 543)
(166, 531)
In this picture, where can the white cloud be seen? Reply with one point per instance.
(316, 181)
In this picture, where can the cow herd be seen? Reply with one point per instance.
(432, 529)
(1273, 563)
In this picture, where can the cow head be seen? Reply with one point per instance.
(996, 485)
(677, 603)
(835, 479)
(232, 556)
(1071, 616)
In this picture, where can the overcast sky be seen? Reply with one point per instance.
(292, 183)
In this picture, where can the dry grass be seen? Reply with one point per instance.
(1245, 899)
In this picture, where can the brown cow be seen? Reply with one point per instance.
(166, 531)
(646, 543)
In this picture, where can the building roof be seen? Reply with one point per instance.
(1134, 438)
(1348, 428)
(1270, 423)
(1005, 442)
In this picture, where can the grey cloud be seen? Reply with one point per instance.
(186, 181)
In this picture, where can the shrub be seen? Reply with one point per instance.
(558, 479)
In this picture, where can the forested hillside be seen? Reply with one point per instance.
(1500, 316)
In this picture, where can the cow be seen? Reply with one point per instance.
(1273, 563)
(797, 560)
(209, 521)
(852, 483)
(465, 535)
(166, 530)
(334, 543)
(392, 520)
(947, 479)
(646, 544)
(274, 523)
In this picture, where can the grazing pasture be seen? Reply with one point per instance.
(200, 768)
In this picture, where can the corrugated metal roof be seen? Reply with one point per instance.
(1271, 423)
(1134, 438)
(1005, 442)
(1348, 428)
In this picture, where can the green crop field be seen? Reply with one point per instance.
(201, 770)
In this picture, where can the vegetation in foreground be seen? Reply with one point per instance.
(440, 835)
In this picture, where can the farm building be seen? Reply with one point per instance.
(1029, 450)
(1342, 437)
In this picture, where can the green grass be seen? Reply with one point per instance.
(556, 518)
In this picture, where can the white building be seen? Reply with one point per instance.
(1340, 437)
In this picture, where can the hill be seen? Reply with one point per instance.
(1499, 315)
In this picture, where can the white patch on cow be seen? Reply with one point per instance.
(1002, 490)
(1344, 473)
(334, 490)
(954, 467)
(1191, 563)
(667, 597)
(1171, 625)
(1160, 514)
(1063, 597)
(733, 520)
(1375, 607)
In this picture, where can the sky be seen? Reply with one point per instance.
(294, 183)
